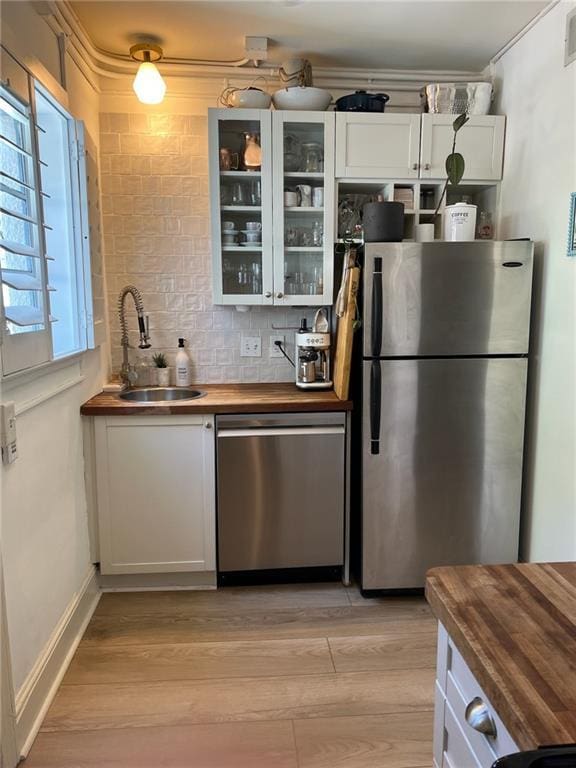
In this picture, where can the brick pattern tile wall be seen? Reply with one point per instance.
(156, 236)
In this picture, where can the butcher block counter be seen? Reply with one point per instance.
(515, 627)
(225, 398)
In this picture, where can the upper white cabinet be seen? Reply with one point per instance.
(377, 146)
(272, 220)
(303, 206)
(401, 146)
(155, 488)
(241, 200)
(480, 141)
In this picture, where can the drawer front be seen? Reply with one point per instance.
(457, 751)
(461, 688)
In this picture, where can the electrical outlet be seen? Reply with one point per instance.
(273, 350)
(251, 346)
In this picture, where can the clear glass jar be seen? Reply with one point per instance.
(485, 228)
(313, 157)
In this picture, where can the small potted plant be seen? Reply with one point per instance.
(162, 370)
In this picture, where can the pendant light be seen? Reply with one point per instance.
(148, 83)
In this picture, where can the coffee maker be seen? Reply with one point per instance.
(313, 354)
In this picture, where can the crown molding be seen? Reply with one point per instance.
(98, 65)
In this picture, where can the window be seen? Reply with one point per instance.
(44, 245)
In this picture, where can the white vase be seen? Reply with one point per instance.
(163, 377)
(424, 233)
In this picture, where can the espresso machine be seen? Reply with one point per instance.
(313, 354)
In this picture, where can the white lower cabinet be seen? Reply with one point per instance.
(156, 493)
(457, 742)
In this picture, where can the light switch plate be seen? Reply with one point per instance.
(8, 433)
(251, 346)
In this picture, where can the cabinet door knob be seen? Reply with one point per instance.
(208, 425)
(268, 294)
(279, 295)
(427, 166)
(478, 717)
(414, 166)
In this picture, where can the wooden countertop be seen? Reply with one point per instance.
(515, 625)
(226, 398)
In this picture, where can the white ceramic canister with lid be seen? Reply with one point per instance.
(460, 222)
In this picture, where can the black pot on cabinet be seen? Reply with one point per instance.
(383, 222)
(361, 101)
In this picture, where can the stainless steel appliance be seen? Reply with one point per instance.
(280, 491)
(444, 379)
(313, 354)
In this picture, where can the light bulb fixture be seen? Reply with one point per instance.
(148, 84)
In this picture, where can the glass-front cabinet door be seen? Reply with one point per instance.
(241, 205)
(303, 189)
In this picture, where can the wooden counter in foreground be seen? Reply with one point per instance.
(225, 398)
(515, 626)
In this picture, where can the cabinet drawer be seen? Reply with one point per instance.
(457, 752)
(461, 688)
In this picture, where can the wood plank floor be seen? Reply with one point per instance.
(307, 676)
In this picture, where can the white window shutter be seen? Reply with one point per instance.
(24, 321)
(92, 262)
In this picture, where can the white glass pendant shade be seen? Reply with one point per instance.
(148, 84)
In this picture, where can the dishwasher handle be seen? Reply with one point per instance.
(280, 431)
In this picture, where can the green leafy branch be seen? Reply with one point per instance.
(160, 360)
(455, 164)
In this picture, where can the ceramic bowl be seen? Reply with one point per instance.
(250, 98)
(302, 97)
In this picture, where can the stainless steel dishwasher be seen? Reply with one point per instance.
(281, 491)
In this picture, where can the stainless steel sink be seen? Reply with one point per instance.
(160, 394)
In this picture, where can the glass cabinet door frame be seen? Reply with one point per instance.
(264, 118)
(281, 120)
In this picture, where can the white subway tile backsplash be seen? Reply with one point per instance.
(156, 236)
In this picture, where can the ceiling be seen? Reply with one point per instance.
(377, 34)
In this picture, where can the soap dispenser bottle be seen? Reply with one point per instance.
(183, 366)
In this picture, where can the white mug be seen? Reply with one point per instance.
(318, 197)
(424, 233)
(228, 225)
(253, 226)
(305, 191)
(290, 199)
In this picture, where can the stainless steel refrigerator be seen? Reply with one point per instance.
(445, 355)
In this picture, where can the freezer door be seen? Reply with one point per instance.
(442, 466)
(433, 299)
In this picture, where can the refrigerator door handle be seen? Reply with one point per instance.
(375, 406)
(376, 320)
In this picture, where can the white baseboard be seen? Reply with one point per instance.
(39, 688)
(150, 582)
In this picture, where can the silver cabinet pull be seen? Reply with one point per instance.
(268, 294)
(427, 166)
(478, 717)
(208, 425)
(414, 166)
(279, 295)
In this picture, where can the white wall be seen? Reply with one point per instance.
(538, 96)
(44, 535)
